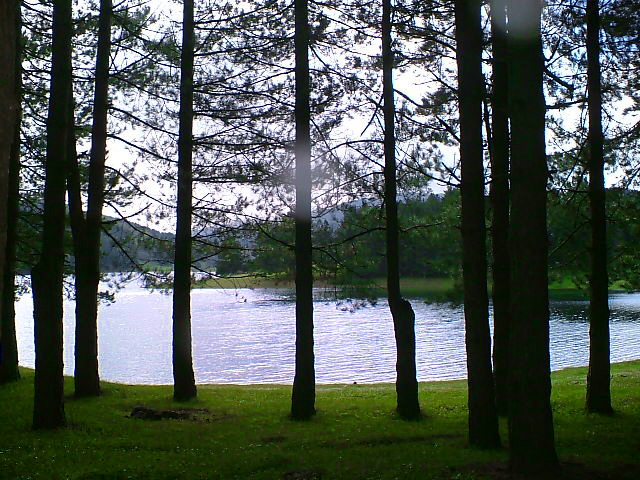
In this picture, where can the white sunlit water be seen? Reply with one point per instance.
(248, 336)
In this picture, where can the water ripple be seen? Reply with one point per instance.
(248, 336)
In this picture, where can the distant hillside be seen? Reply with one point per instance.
(126, 241)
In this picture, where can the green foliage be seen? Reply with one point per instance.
(429, 239)
(349, 248)
(243, 432)
(273, 252)
(569, 239)
(625, 231)
(232, 258)
(128, 247)
(351, 252)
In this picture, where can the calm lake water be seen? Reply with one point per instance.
(248, 336)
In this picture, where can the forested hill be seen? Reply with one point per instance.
(127, 246)
(430, 243)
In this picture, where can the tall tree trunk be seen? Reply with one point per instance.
(531, 436)
(85, 383)
(10, 106)
(82, 281)
(184, 384)
(304, 389)
(87, 378)
(500, 202)
(8, 346)
(47, 274)
(401, 311)
(483, 419)
(598, 379)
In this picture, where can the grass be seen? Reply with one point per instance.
(427, 289)
(567, 289)
(244, 432)
(246, 281)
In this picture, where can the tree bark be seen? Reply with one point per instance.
(401, 311)
(184, 385)
(87, 378)
(8, 346)
(598, 378)
(304, 393)
(499, 196)
(47, 274)
(483, 419)
(532, 449)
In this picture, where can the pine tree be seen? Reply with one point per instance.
(531, 436)
(499, 196)
(598, 379)
(86, 231)
(401, 310)
(303, 397)
(47, 274)
(184, 385)
(483, 419)
(9, 185)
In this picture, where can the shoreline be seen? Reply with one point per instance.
(389, 384)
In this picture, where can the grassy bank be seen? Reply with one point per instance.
(427, 289)
(248, 281)
(243, 432)
(566, 289)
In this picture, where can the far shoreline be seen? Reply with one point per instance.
(428, 289)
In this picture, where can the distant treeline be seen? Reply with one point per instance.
(350, 242)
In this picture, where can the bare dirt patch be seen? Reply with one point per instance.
(192, 414)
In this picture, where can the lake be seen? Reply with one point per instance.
(248, 336)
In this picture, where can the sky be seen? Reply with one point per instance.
(414, 83)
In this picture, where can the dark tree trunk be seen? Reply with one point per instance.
(483, 419)
(184, 384)
(46, 275)
(82, 282)
(8, 346)
(500, 203)
(304, 389)
(401, 311)
(598, 379)
(87, 379)
(10, 107)
(531, 436)
(86, 351)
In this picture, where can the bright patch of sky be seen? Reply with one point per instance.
(413, 83)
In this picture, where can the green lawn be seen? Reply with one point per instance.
(566, 289)
(244, 432)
